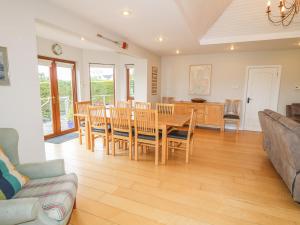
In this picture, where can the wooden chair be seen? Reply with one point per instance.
(120, 120)
(146, 131)
(179, 139)
(123, 104)
(142, 105)
(165, 109)
(99, 126)
(232, 113)
(82, 113)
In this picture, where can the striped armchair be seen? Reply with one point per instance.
(47, 198)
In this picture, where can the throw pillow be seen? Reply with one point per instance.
(11, 181)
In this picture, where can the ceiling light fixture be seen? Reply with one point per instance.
(287, 11)
(82, 38)
(232, 47)
(177, 52)
(126, 12)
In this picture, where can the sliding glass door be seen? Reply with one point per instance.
(102, 83)
(58, 95)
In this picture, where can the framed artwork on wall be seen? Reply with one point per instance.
(200, 79)
(4, 80)
(154, 80)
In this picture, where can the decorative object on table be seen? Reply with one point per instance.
(57, 49)
(154, 80)
(4, 79)
(288, 9)
(198, 100)
(200, 79)
(122, 44)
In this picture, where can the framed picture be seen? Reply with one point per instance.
(200, 79)
(154, 80)
(4, 80)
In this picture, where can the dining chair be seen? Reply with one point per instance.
(99, 126)
(142, 105)
(232, 112)
(120, 120)
(121, 104)
(146, 131)
(81, 115)
(165, 109)
(179, 139)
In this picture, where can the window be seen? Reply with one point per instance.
(130, 81)
(102, 83)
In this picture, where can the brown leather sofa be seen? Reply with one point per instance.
(293, 111)
(282, 144)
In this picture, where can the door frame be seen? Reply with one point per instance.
(54, 91)
(279, 69)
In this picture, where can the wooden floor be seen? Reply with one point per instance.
(228, 181)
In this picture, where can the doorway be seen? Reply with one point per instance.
(58, 95)
(262, 92)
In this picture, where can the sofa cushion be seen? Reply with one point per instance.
(11, 181)
(179, 134)
(56, 194)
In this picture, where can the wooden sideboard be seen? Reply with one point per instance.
(208, 114)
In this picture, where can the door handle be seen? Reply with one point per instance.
(248, 100)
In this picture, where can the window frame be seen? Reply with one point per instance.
(127, 81)
(114, 78)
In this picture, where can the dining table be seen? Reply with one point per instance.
(164, 123)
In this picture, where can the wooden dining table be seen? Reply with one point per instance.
(164, 122)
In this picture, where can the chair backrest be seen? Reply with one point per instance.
(142, 105)
(97, 117)
(192, 123)
(146, 122)
(232, 107)
(9, 139)
(165, 109)
(123, 104)
(120, 119)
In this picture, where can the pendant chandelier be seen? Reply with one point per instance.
(287, 11)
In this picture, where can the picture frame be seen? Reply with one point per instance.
(200, 79)
(4, 79)
(154, 80)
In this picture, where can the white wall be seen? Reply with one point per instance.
(228, 75)
(20, 102)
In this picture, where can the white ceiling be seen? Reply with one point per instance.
(185, 23)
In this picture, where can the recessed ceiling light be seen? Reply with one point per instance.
(177, 52)
(160, 38)
(82, 38)
(126, 12)
(231, 47)
(299, 43)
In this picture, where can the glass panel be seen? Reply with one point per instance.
(102, 83)
(46, 100)
(131, 82)
(65, 92)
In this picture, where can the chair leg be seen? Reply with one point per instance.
(113, 147)
(192, 146)
(136, 149)
(167, 153)
(237, 126)
(130, 149)
(107, 144)
(80, 136)
(187, 154)
(156, 153)
(92, 137)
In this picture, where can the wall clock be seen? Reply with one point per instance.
(57, 49)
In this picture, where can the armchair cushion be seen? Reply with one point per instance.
(11, 181)
(56, 195)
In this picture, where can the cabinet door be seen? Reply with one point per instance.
(214, 115)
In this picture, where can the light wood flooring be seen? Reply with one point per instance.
(228, 181)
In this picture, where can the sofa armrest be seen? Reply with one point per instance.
(51, 168)
(16, 211)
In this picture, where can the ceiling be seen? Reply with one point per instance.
(191, 26)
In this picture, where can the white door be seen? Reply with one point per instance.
(262, 93)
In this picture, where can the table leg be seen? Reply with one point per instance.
(87, 135)
(164, 145)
